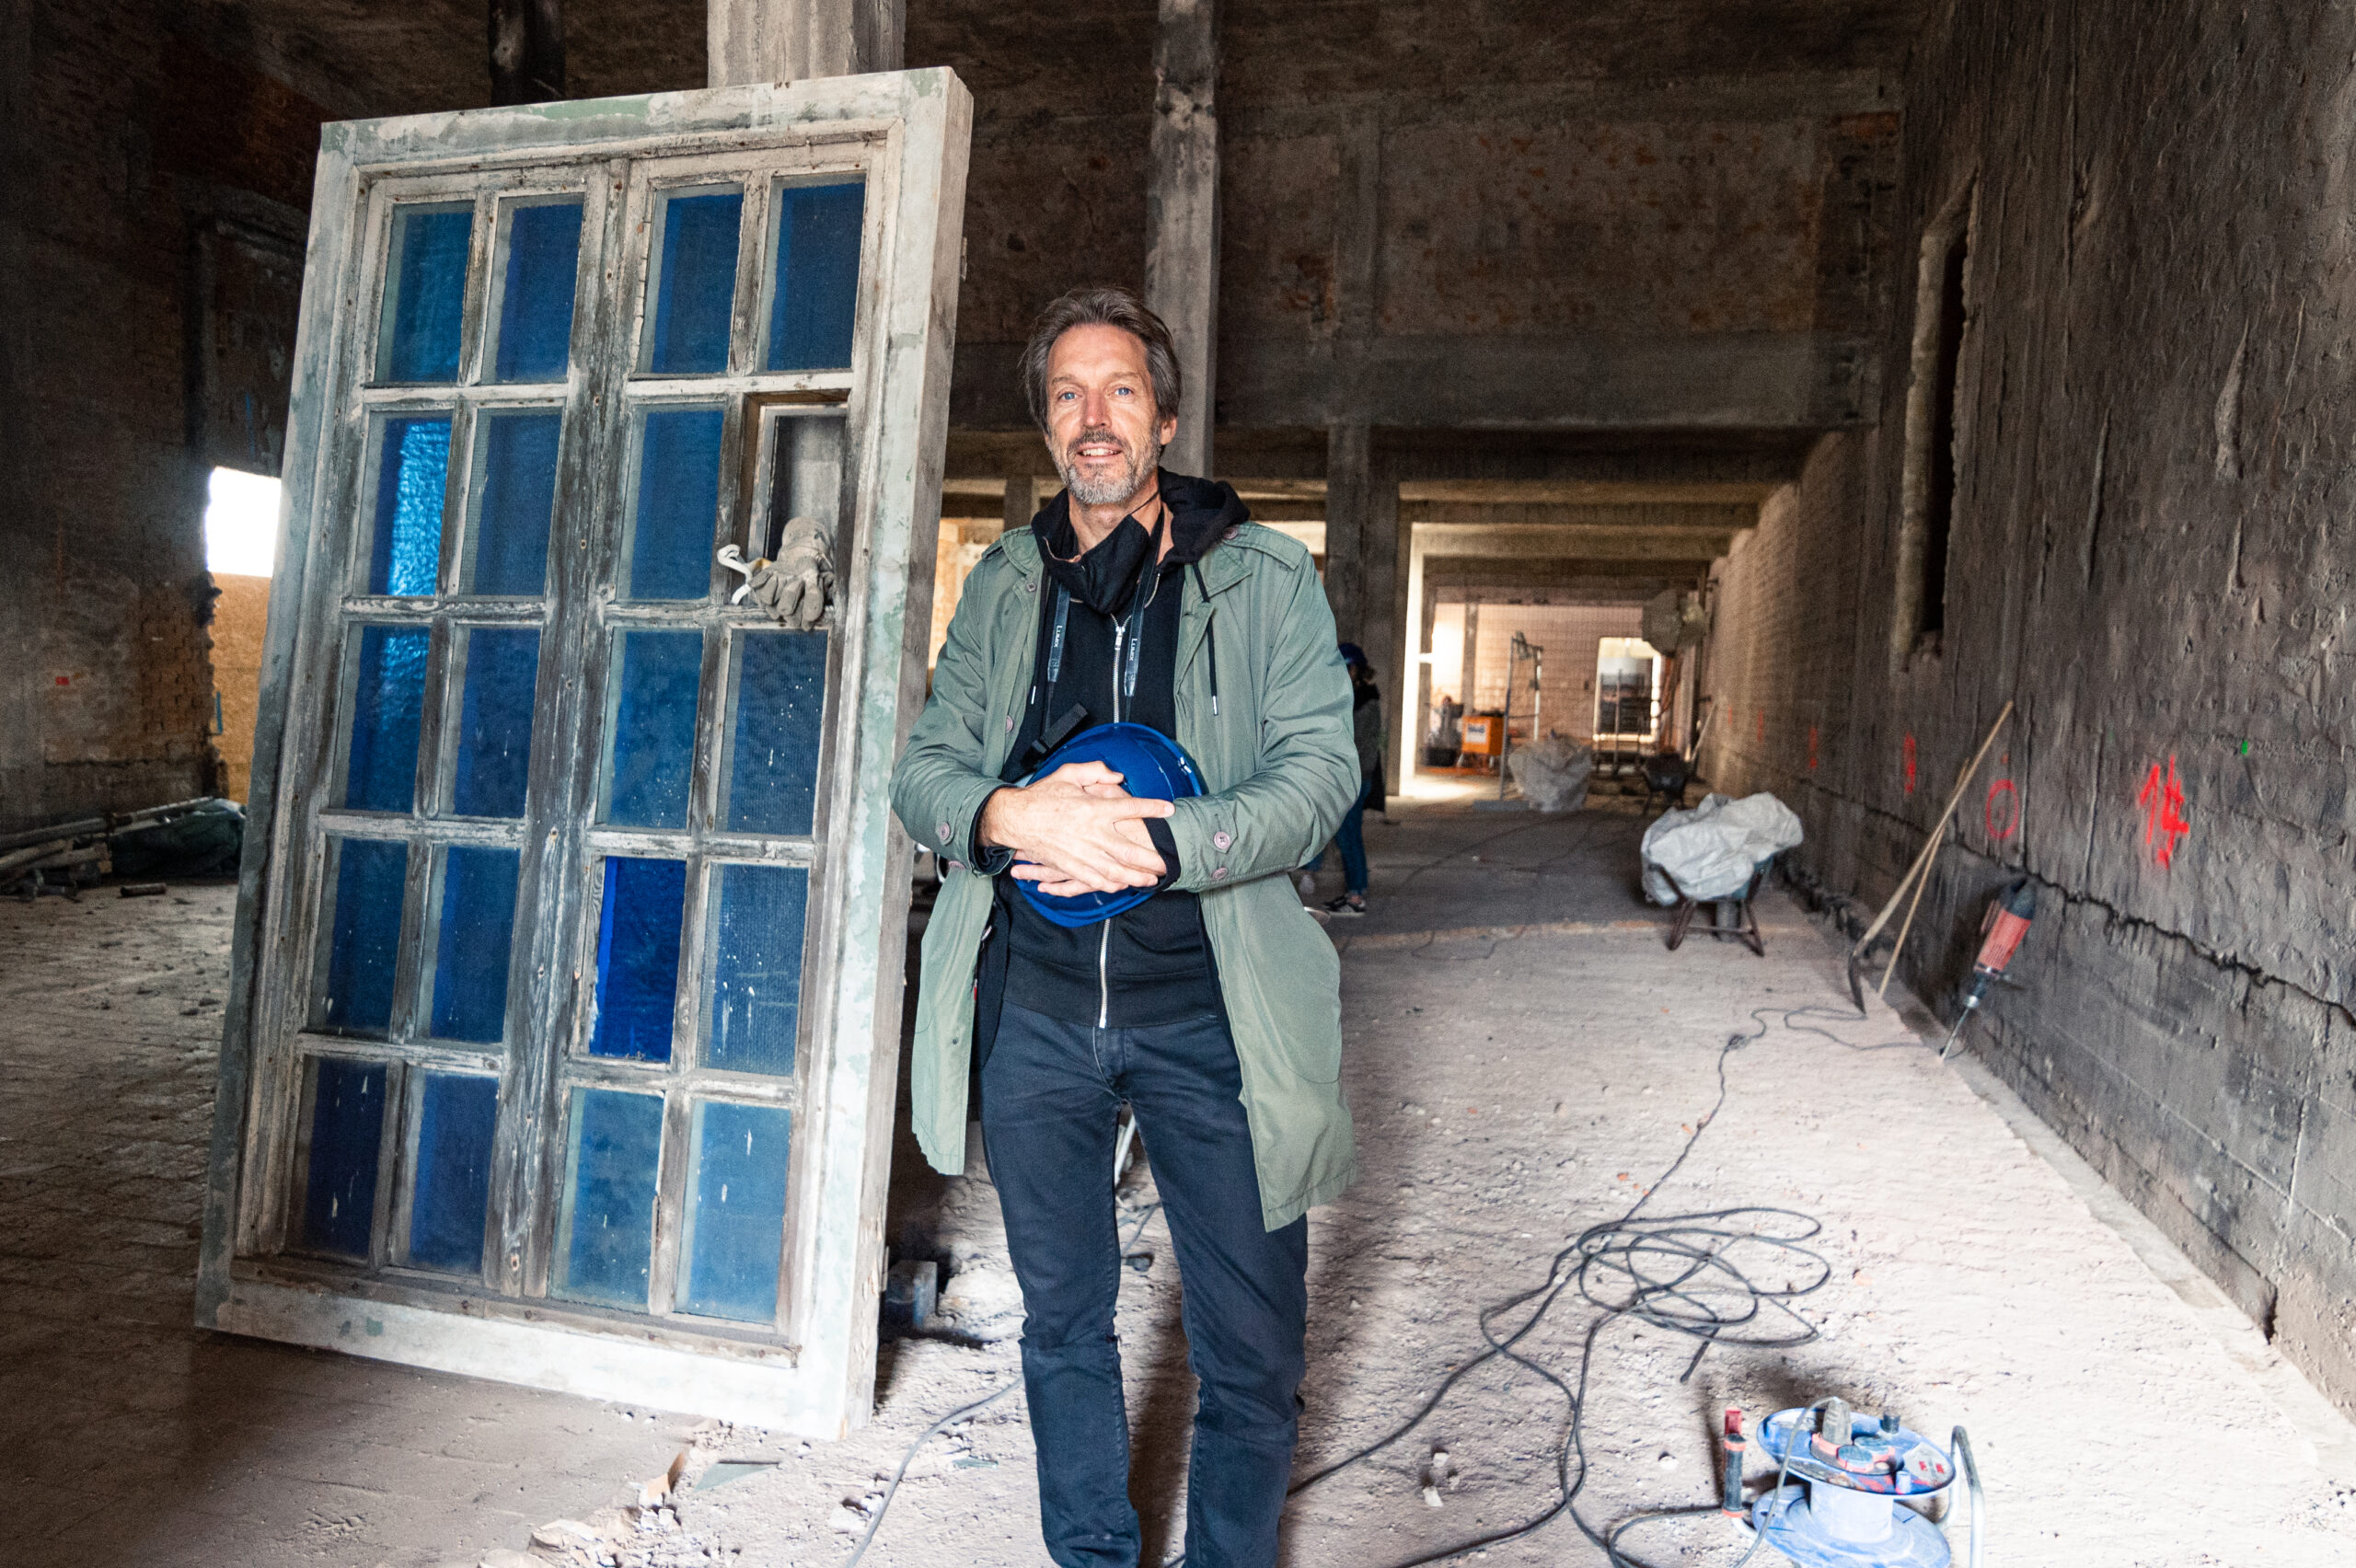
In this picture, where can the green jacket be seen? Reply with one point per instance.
(1280, 770)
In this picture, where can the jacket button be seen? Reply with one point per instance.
(1221, 839)
(1009, 724)
(944, 829)
(1219, 874)
(1031, 585)
(956, 864)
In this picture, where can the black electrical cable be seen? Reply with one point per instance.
(1143, 1215)
(910, 1457)
(1673, 1273)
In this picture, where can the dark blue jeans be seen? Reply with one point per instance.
(1350, 839)
(1050, 1090)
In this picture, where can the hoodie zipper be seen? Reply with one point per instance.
(1122, 633)
(1105, 932)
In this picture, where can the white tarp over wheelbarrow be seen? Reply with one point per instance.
(1711, 851)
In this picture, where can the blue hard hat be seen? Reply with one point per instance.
(1151, 766)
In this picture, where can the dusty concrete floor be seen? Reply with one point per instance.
(1525, 1057)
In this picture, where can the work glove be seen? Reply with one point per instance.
(798, 584)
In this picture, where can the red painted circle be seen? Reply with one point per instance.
(2010, 819)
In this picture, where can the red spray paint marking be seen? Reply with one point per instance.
(1910, 764)
(1762, 722)
(2164, 819)
(1811, 745)
(2002, 812)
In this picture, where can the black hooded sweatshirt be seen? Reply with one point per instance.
(1152, 964)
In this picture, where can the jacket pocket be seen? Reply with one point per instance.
(1282, 979)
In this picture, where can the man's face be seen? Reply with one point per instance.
(1102, 429)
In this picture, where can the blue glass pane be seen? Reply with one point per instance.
(470, 953)
(652, 744)
(736, 1218)
(413, 467)
(385, 700)
(757, 967)
(609, 1196)
(638, 957)
(773, 742)
(697, 285)
(495, 720)
(813, 312)
(339, 1188)
(535, 298)
(515, 497)
(453, 1187)
(678, 502)
(425, 297)
(364, 934)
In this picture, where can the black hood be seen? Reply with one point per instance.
(1201, 512)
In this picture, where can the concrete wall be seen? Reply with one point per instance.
(154, 216)
(1437, 215)
(2151, 557)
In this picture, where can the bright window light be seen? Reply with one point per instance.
(241, 524)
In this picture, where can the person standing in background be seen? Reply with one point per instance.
(1366, 725)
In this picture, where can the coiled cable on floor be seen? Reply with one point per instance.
(1679, 1273)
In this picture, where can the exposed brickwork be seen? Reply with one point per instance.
(2151, 557)
(139, 137)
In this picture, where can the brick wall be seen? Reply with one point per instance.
(157, 171)
(2152, 558)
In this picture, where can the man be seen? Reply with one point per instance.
(1212, 1009)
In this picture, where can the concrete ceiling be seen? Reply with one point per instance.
(363, 57)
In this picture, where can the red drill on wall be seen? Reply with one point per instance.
(2009, 914)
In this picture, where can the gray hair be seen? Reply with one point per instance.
(1101, 305)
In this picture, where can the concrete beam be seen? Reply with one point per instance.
(1463, 579)
(1575, 466)
(1628, 515)
(793, 41)
(1581, 543)
(1784, 382)
(1182, 214)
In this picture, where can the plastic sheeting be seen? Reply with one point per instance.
(1551, 773)
(1711, 851)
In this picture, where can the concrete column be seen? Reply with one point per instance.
(526, 51)
(1383, 624)
(1182, 215)
(1022, 498)
(793, 41)
(1349, 483)
(1472, 646)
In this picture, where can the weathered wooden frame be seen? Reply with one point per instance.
(813, 1373)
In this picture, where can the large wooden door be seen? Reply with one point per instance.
(565, 1001)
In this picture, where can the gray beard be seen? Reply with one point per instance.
(1112, 490)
